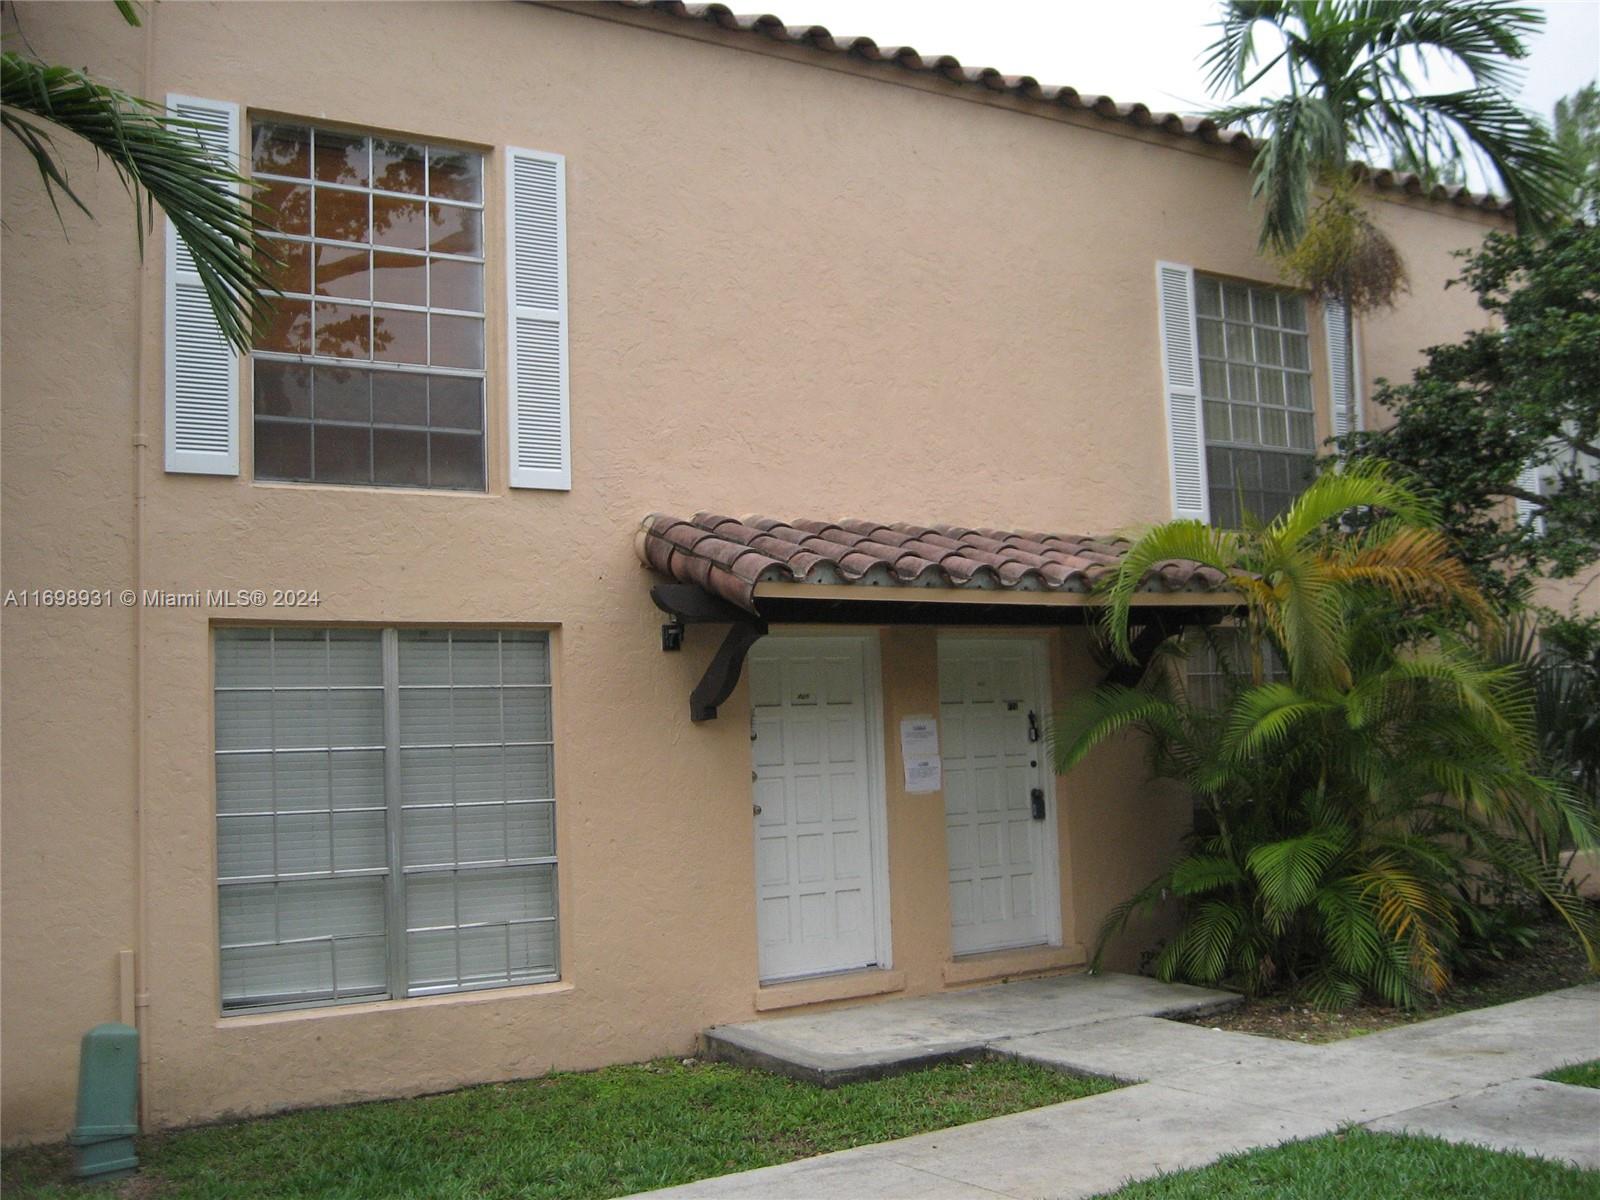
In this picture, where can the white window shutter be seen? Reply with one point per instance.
(1340, 356)
(202, 370)
(1528, 481)
(536, 222)
(1180, 374)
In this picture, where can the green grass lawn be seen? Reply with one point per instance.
(603, 1133)
(1583, 1074)
(1358, 1165)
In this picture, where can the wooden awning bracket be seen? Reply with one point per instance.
(722, 674)
(687, 604)
(690, 605)
(1158, 627)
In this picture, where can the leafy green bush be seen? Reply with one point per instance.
(1356, 809)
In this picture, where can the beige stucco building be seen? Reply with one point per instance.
(292, 809)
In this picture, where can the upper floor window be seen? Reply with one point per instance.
(1255, 382)
(372, 370)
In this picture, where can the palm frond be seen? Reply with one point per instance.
(1207, 940)
(1329, 990)
(1484, 36)
(1116, 920)
(1200, 874)
(1365, 484)
(1546, 879)
(161, 162)
(1290, 871)
(1104, 713)
(1409, 910)
(1261, 718)
(1191, 541)
(1354, 940)
(1414, 565)
(1532, 171)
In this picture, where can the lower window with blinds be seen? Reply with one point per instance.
(385, 813)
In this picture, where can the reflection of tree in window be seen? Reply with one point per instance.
(377, 244)
(343, 331)
(397, 166)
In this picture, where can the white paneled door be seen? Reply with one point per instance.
(999, 795)
(817, 807)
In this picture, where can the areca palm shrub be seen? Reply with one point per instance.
(1354, 799)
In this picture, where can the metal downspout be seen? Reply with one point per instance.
(141, 981)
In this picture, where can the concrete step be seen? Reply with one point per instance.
(872, 1040)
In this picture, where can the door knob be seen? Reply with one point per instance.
(1037, 796)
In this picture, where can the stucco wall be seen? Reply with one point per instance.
(794, 290)
(69, 346)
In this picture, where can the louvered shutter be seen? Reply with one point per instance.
(1528, 481)
(1339, 360)
(536, 221)
(202, 370)
(1180, 373)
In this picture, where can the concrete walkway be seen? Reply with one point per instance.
(1203, 1093)
(846, 1044)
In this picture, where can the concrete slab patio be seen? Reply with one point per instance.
(1205, 1093)
(847, 1044)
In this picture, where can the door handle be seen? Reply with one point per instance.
(1033, 726)
(1038, 803)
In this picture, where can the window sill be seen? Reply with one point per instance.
(326, 1012)
(370, 489)
(1007, 964)
(852, 985)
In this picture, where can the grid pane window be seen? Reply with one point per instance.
(1218, 659)
(477, 808)
(1255, 381)
(332, 746)
(371, 370)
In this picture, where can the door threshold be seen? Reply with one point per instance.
(820, 989)
(989, 965)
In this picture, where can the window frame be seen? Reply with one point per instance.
(395, 873)
(255, 119)
(1230, 445)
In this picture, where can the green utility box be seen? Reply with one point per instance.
(108, 1100)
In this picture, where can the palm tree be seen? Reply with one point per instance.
(1351, 68)
(1353, 806)
(160, 160)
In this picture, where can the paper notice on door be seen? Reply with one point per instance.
(919, 751)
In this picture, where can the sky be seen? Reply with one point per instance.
(1144, 50)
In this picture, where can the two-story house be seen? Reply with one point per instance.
(389, 709)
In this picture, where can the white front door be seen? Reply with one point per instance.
(1003, 889)
(817, 806)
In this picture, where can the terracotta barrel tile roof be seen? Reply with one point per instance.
(729, 556)
(1204, 129)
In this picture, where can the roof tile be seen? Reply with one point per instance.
(729, 557)
(907, 58)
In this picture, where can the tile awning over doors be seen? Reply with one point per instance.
(733, 558)
(743, 573)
